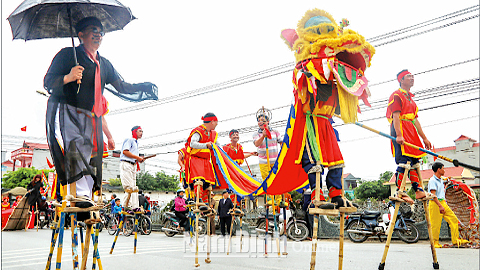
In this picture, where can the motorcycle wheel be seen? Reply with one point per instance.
(409, 235)
(112, 226)
(356, 237)
(298, 234)
(145, 225)
(169, 225)
(202, 227)
(261, 226)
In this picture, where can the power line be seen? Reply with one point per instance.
(429, 30)
(422, 94)
(426, 23)
(283, 123)
(220, 86)
(426, 126)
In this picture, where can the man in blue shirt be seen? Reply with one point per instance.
(128, 167)
(439, 209)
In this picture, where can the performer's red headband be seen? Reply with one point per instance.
(401, 75)
(134, 133)
(210, 118)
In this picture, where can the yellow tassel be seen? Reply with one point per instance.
(348, 105)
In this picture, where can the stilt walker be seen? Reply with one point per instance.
(326, 83)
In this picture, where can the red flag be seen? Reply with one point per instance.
(50, 165)
(269, 135)
(23, 128)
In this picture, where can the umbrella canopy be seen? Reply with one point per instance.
(38, 19)
(16, 191)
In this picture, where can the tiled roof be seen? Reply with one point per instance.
(463, 137)
(455, 172)
(36, 145)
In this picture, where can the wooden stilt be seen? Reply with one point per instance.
(73, 227)
(80, 229)
(136, 229)
(52, 245)
(198, 183)
(340, 251)
(118, 232)
(427, 218)
(96, 253)
(241, 233)
(315, 217)
(207, 260)
(391, 226)
(87, 246)
(266, 226)
(284, 226)
(37, 214)
(60, 242)
(231, 225)
(275, 226)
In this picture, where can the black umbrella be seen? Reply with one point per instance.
(39, 19)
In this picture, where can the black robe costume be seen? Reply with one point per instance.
(73, 108)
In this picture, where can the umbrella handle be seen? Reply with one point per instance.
(73, 43)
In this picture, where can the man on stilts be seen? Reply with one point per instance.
(199, 170)
(402, 115)
(74, 112)
(405, 128)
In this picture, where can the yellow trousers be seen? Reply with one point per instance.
(436, 220)
(265, 169)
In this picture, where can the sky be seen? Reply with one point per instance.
(186, 45)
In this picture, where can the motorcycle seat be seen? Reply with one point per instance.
(170, 214)
(372, 213)
(270, 216)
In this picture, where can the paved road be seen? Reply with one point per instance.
(29, 250)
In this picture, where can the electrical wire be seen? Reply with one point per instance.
(246, 79)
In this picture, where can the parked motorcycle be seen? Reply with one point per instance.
(297, 228)
(360, 226)
(171, 224)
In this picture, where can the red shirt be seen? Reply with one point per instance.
(236, 153)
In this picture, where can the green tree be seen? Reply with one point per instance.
(167, 182)
(374, 189)
(146, 181)
(115, 182)
(160, 182)
(21, 177)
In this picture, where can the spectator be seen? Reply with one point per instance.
(17, 201)
(180, 209)
(33, 188)
(224, 206)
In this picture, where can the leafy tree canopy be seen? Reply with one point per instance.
(159, 182)
(374, 189)
(21, 177)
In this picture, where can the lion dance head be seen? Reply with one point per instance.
(328, 55)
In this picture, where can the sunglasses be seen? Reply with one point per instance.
(96, 31)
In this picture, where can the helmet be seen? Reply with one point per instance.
(180, 190)
(44, 198)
